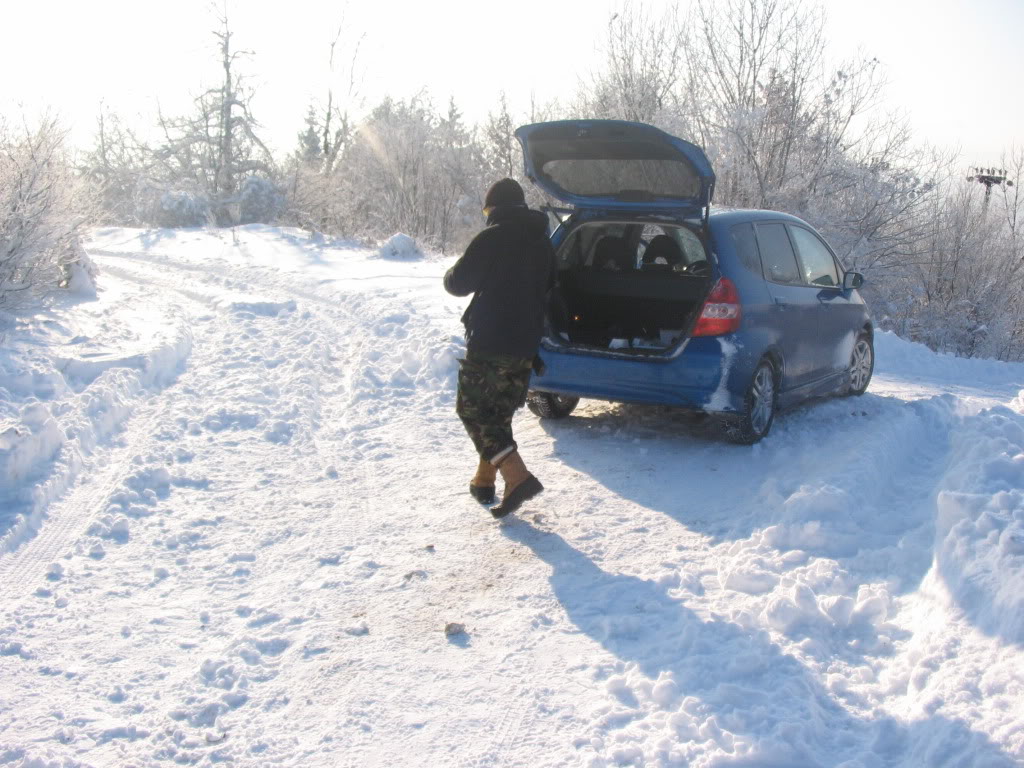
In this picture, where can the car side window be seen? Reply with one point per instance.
(745, 243)
(693, 248)
(819, 268)
(777, 254)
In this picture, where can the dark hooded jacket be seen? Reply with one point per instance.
(509, 267)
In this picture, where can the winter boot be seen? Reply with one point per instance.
(520, 485)
(481, 487)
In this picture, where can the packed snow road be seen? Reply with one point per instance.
(235, 529)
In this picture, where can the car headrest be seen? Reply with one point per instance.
(612, 253)
(665, 248)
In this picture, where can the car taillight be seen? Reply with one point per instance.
(721, 311)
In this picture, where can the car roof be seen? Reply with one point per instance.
(724, 216)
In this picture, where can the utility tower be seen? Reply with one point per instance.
(990, 177)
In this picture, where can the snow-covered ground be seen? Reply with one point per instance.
(234, 528)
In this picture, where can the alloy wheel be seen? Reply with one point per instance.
(861, 365)
(762, 404)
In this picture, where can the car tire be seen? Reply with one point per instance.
(862, 365)
(759, 406)
(551, 406)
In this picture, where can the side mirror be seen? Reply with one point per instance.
(852, 280)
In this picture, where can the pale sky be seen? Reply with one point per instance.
(953, 66)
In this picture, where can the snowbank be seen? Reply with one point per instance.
(979, 534)
(900, 355)
(61, 397)
(400, 247)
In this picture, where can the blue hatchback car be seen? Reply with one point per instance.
(662, 300)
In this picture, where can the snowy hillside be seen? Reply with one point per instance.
(234, 527)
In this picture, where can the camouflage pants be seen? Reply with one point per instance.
(491, 389)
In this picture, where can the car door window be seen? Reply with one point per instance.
(819, 268)
(777, 254)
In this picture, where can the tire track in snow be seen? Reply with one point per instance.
(67, 519)
(64, 518)
(505, 732)
(331, 440)
(342, 528)
(338, 526)
(369, 479)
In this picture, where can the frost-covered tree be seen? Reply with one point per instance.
(336, 121)
(748, 80)
(310, 201)
(385, 173)
(205, 156)
(409, 169)
(458, 171)
(309, 152)
(500, 151)
(644, 63)
(44, 210)
(314, 183)
(966, 278)
(117, 165)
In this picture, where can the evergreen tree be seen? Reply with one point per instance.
(310, 152)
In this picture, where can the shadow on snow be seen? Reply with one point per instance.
(742, 679)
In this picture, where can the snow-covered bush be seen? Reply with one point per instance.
(44, 209)
(400, 247)
(260, 201)
(79, 272)
(179, 206)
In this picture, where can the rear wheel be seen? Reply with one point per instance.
(758, 408)
(862, 365)
(551, 406)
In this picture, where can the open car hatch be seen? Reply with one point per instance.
(617, 165)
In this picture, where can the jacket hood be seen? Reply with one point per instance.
(534, 222)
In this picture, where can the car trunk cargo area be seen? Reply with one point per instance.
(628, 287)
(645, 313)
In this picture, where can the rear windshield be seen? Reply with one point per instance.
(624, 179)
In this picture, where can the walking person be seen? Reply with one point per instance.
(509, 267)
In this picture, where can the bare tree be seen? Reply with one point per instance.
(315, 185)
(116, 165)
(643, 66)
(1010, 201)
(205, 157)
(337, 135)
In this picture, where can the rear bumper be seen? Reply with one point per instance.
(709, 374)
